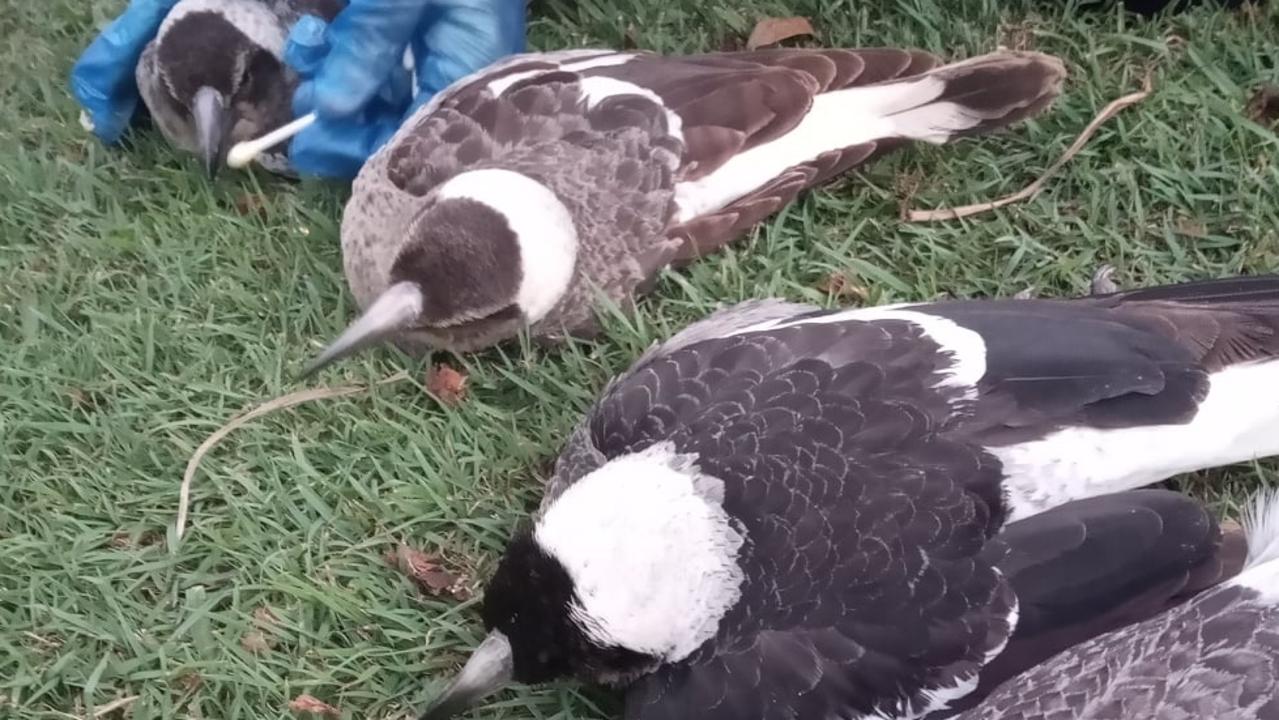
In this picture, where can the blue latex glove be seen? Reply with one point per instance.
(355, 81)
(102, 79)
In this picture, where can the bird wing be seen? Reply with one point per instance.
(1131, 359)
(580, 456)
(1090, 566)
(1216, 656)
(864, 587)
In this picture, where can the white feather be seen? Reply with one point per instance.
(251, 17)
(965, 347)
(543, 226)
(1237, 421)
(651, 551)
(1261, 525)
(837, 120)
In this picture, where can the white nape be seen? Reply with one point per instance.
(254, 18)
(543, 227)
(651, 551)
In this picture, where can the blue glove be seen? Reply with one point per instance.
(102, 80)
(355, 81)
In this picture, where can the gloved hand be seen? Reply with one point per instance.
(102, 79)
(355, 81)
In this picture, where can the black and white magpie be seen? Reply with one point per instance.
(790, 512)
(524, 195)
(1215, 657)
(215, 74)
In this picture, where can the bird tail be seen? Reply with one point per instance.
(1261, 525)
(972, 97)
(1238, 317)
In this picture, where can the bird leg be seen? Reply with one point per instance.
(1103, 281)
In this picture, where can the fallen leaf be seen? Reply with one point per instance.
(190, 681)
(264, 617)
(446, 384)
(309, 704)
(256, 642)
(838, 285)
(428, 572)
(251, 204)
(730, 43)
(1264, 105)
(771, 31)
(1190, 228)
(1017, 36)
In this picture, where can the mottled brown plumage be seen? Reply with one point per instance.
(655, 160)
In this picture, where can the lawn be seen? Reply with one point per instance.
(141, 306)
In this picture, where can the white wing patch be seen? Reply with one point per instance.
(543, 226)
(1261, 524)
(836, 120)
(1238, 421)
(651, 551)
(965, 347)
(596, 89)
(251, 17)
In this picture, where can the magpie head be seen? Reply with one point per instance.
(634, 566)
(214, 76)
(489, 253)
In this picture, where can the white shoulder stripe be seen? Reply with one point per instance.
(965, 347)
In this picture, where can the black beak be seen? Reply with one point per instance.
(210, 115)
(489, 670)
(395, 309)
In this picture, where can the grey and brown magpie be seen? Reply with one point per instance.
(786, 512)
(1215, 657)
(215, 74)
(524, 197)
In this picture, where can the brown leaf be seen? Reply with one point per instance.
(256, 642)
(428, 572)
(265, 618)
(1264, 105)
(251, 204)
(308, 704)
(771, 31)
(1017, 36)
(730, 43)
(838, 285)
(446, 384)
(1190, 228)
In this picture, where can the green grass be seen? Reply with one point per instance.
(139, 310)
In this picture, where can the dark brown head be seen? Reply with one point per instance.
(219, 76)
(490, 252)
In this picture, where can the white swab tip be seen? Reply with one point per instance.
(243, 153)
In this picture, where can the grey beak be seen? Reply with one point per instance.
(489, 669)
(209, 113)
(397, 308)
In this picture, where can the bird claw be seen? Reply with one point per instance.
(1103, 282)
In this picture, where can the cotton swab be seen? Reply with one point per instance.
(243, 153)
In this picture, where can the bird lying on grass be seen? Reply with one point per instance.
(215, 74)
(529, 194)
(790, 512)
(1216, 656)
